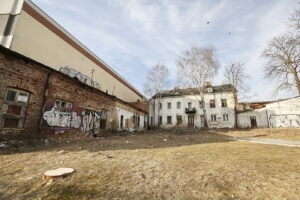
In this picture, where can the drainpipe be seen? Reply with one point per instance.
(46, 90)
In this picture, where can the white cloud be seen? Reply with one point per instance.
(133, 35)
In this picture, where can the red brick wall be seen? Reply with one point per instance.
(45, 86)
(27, 76)
(82, 98)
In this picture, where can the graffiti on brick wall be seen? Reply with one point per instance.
(88, 121)
(62, 118)
(286, 120)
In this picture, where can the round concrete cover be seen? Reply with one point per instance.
(59, 172)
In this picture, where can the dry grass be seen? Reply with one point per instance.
(278, 133)
(189, 166)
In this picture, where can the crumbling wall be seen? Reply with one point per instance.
(89, 110)
(27, 77)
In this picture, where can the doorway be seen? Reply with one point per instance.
(190, 120)
(253, 121)
(121, 125)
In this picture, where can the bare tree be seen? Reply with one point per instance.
(294, 20)
(283, 55)
(195, 67)
(156, 80)
(235, 74)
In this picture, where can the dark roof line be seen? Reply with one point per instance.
(192, 91)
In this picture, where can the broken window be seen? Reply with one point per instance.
(178, 105)
(189, 105)
(14, 108)
(225, 117)
(160, 120)
(179, 119)
(202, 119)
(212, 103)
(160, 105)
(213, 118)
(169, 105)
(224, 103)
(169, 119)
(63, 105)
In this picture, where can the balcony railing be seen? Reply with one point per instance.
(190, 110)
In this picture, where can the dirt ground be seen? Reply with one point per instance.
(162, 164)
(275, 133)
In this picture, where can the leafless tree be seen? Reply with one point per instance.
(195, 67)
(294, 20)
(156, 80)
(283, 55)
(235, 74)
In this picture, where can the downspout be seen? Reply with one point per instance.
(46, 90)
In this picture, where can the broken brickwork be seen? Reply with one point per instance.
(36, 100)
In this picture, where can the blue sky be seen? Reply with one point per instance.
(133, 35)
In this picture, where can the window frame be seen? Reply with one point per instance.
(177, 121)
(178, 105)
(7, 115)
(213, 118)
(212, 103)
(224, 103)
(169, 105)
(169, 117)
(225, 117)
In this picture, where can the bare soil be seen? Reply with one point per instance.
(161, 164)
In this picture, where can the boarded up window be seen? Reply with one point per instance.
(14, 108)
(11, 123)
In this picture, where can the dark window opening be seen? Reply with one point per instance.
(169, 105)
(213, 118)
(179, 120)
(11, 95)
(225, 117)
(212, 103)
(224, 103)
(169, 119)
(121, 125)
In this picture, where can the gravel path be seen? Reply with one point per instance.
(289, 143)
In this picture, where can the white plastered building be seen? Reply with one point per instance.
(184, 107)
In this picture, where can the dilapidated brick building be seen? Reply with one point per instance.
(36, 99)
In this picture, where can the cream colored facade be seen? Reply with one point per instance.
(40, 42)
